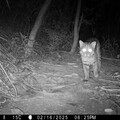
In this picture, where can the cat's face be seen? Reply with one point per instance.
(87, 49)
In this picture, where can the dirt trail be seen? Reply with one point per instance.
(60, 90)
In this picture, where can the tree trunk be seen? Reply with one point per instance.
(35, 28)
(76, 27)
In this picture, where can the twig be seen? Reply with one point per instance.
(109, 81)
(111, 59)
(110, 89)
(8, 80)
(3, 39)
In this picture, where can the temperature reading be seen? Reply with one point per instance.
(16, 117)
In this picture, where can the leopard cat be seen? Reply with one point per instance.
(90, 56)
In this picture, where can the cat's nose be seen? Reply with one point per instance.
(87, 55)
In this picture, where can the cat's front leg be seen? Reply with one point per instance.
(86, 71)
(95, 70)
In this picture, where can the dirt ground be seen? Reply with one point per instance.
(57, 87)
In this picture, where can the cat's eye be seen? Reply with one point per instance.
(90, 50)
(84, 50)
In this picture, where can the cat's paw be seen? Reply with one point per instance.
(96, 75)
(85, 80)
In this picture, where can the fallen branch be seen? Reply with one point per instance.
(9, 80)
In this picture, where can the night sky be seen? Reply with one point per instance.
(103, 16)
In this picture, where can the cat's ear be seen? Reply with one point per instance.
(81, 43)
(93, 44)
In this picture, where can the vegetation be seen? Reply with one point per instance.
(55, 32)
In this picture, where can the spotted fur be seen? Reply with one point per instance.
(91, 56)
